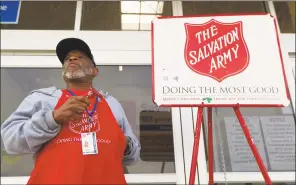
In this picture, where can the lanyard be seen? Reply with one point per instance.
(90, 114)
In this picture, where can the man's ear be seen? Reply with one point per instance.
(96, 71)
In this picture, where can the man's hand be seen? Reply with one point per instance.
(71, 110)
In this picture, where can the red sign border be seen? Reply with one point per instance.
(219, 105)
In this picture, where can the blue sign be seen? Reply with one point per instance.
(9, 11)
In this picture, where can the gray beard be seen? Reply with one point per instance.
(79, 73)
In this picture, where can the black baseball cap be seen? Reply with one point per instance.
(71, 44)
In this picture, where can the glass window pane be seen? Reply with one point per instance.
(45, 15)
(221, 7)
(111, 15)
(131, 87)
(285, 12)
(272, 129)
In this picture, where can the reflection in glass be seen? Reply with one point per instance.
(123, 15)
(285, 12)
(156, 136)
(45, 15)
(131, 87)
(272, 129)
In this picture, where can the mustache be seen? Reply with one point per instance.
(77, 64)
(79, 72)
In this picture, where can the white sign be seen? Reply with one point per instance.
(217, 60)
(241, 156)
(279, 136)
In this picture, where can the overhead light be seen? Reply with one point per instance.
(149, 7)
(130, 6)
(152, 7)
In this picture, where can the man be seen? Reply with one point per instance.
(79, 135)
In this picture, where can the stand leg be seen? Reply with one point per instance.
(195, 146)
(210, 147)
(252, 145)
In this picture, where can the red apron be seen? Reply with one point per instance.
(61, 160)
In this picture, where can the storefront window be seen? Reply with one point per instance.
(131, 86)
(272, 129)
(122, 15)
(45, 15)
(221, 7)
(285, 12)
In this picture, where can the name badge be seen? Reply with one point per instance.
(89, 143)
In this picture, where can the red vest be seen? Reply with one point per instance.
(61, 160)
